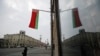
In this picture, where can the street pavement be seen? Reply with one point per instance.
(71, 51)
(31, 52)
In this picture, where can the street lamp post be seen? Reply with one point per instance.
(57, 17)
(40, 40)
(52, 16)
(55, 11)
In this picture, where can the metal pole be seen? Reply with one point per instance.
(40, 40)
(63, 37)
(45, 11)
(57, 17)
(52, 45)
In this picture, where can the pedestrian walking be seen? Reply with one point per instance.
(46, 47)
(24, 53)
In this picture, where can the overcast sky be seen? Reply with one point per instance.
(89, 13)
(15, 15)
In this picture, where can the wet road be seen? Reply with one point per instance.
(31, 52)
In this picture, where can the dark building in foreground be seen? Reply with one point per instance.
(82, 44)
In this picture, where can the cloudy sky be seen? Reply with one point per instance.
(89, 13)
(15, 15)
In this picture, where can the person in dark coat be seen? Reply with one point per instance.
(46, 47)
(24, 53)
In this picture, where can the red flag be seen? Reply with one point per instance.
(34, 19)
(76, 19)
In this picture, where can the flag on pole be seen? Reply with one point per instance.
(76, 18)
(34, 19)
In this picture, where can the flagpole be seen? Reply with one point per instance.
(66, 10)
(50, 11)
(43, 10)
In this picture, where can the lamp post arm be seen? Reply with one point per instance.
(66, 10)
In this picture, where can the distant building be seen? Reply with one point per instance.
(90, 38)
(84, 43)
(21, 40)
(1, 42)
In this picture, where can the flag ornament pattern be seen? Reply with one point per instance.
(76, 19)
(34, 19)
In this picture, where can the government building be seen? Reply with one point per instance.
(82, 44)
(21, 40)
(1, 42)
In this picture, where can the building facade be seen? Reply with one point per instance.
(82, 44)
(21, 40)
(1, 42)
